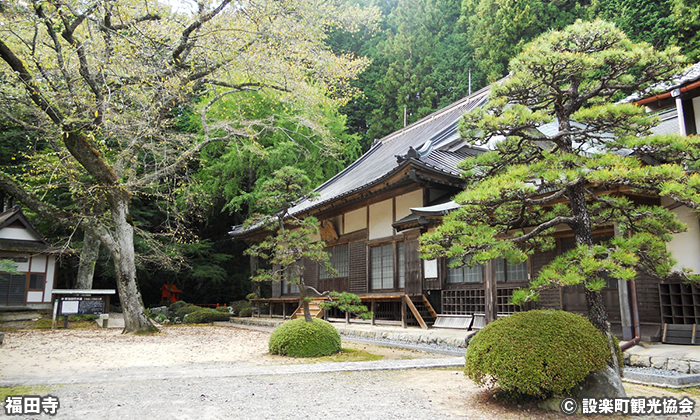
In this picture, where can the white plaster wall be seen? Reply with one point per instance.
(37, 264)
(34, 297)
(20, 266)
(17, 233)
(685, 247)
(50, 278)
(406, 201)
(355, 220)
(381, 216)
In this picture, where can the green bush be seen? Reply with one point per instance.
(204, 316)
(184, 310)
(298, 338)
(224, 309)
(536, 353)
(175, 306)
(242, 308)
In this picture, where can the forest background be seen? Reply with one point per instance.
(425, 55)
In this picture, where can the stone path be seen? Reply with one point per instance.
(232, 370)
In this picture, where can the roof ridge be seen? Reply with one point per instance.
(449, 108)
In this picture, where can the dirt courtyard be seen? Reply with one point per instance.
(111, 377)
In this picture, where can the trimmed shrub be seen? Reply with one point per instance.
(242, 308)
(184, 310)
(536, 353)
(175, 306)
(298, 338)
(224, 309)
(204, 316)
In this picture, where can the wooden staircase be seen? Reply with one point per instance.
(314, 310)
(422, 310)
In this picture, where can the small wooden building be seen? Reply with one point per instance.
(34, 258)
(171, 293)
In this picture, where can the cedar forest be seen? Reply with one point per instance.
(409, 56)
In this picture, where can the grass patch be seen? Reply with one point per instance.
(7, 391)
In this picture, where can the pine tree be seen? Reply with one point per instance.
(530, 183)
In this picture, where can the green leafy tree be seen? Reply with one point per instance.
(686, 23)
(498, 29)
(642, 20)
(516, 194)
(347, 302)
(8, 266)
(105, 83)
(289, 241)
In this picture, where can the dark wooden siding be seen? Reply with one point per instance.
(357, 281)
(413, 268)
(276, 285)
(550, 298)
(648, 298)
(310, 273)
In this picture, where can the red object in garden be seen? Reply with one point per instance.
(170, 293)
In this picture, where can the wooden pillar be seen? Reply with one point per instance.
(490, 308)
(284, 310)
(374, 308)
(404, 322)
(624, 296)
(270, 305)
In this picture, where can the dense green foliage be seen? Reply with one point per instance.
(530, 182)
(205, 316)
(347, 302)
(424, 53)
(536, 353)
(298, 338)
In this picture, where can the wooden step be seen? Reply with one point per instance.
(314, 310)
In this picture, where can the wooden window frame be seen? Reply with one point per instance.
(29, 282)
(395, 261)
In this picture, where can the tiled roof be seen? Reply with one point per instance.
(430, 137)
(689, 75)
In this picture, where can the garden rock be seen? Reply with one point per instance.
(604, 383)
(160, 310)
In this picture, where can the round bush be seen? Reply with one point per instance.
(536, 353)
(177, 305)
(205, 316)
(186, 309)
(298, 338)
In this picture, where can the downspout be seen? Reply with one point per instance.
(676, 93)
(635, 316)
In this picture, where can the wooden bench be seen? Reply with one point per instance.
(680, 334)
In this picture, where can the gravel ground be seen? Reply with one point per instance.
(188, 373)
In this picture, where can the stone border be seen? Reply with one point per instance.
(666, 381)
(663, 363)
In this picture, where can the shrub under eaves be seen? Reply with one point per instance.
(536, 353)
(298, 338)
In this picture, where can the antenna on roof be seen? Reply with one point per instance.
(470, 81)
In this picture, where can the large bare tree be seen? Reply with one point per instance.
(106, 82)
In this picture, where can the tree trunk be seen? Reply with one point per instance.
(88, 258)
(583, 233)
(135, 319)
(302, 300)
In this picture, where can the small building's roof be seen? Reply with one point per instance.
(171, 288)
(15, 218)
